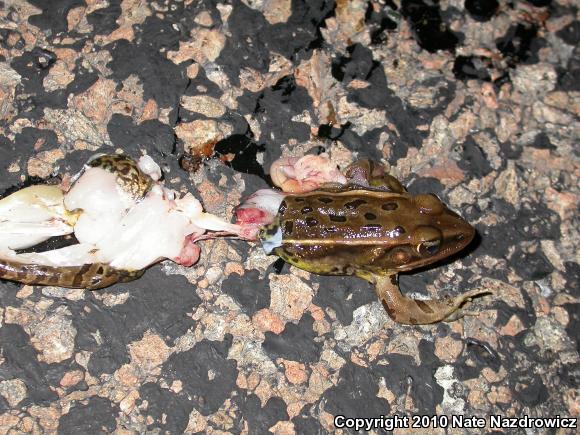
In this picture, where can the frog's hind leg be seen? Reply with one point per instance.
(90, 276)
(419, 312)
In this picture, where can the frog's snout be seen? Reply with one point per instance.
(457, 232)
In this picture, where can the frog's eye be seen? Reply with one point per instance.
(428, 240)
(429, 248)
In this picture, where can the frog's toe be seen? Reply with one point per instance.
(460, 313)
(458, 305)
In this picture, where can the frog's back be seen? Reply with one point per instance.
(341, 231)
(359, 231)
(350, 217)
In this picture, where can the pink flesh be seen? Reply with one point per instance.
(251, 220)
(252, 216)
(293, 175)
(304, 174)
(189, 254)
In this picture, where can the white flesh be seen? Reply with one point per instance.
(267, 200)
(33, 215)
(111, 228)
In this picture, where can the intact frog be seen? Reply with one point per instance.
(367, 225)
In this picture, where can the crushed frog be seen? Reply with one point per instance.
(362, 223)
(123, 217)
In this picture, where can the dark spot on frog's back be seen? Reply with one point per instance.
(370, 216)
(288, 227)
(306, 210)
(311, 222)
(390, 206)
(353, 205)
(336, 218)
(18, 274)
(325, 199)
(399, 230)
(271, 230)
(78, 277)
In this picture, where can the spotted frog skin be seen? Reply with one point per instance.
(95, 275)
(372, 228)
(129, 176)
(90, 276)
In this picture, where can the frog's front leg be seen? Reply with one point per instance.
(371, 174)
(418, 312)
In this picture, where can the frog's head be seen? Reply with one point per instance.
(435, 232)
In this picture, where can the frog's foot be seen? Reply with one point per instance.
(304, 174)
(420, 312)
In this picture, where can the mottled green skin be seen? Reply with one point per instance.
(131, 179)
